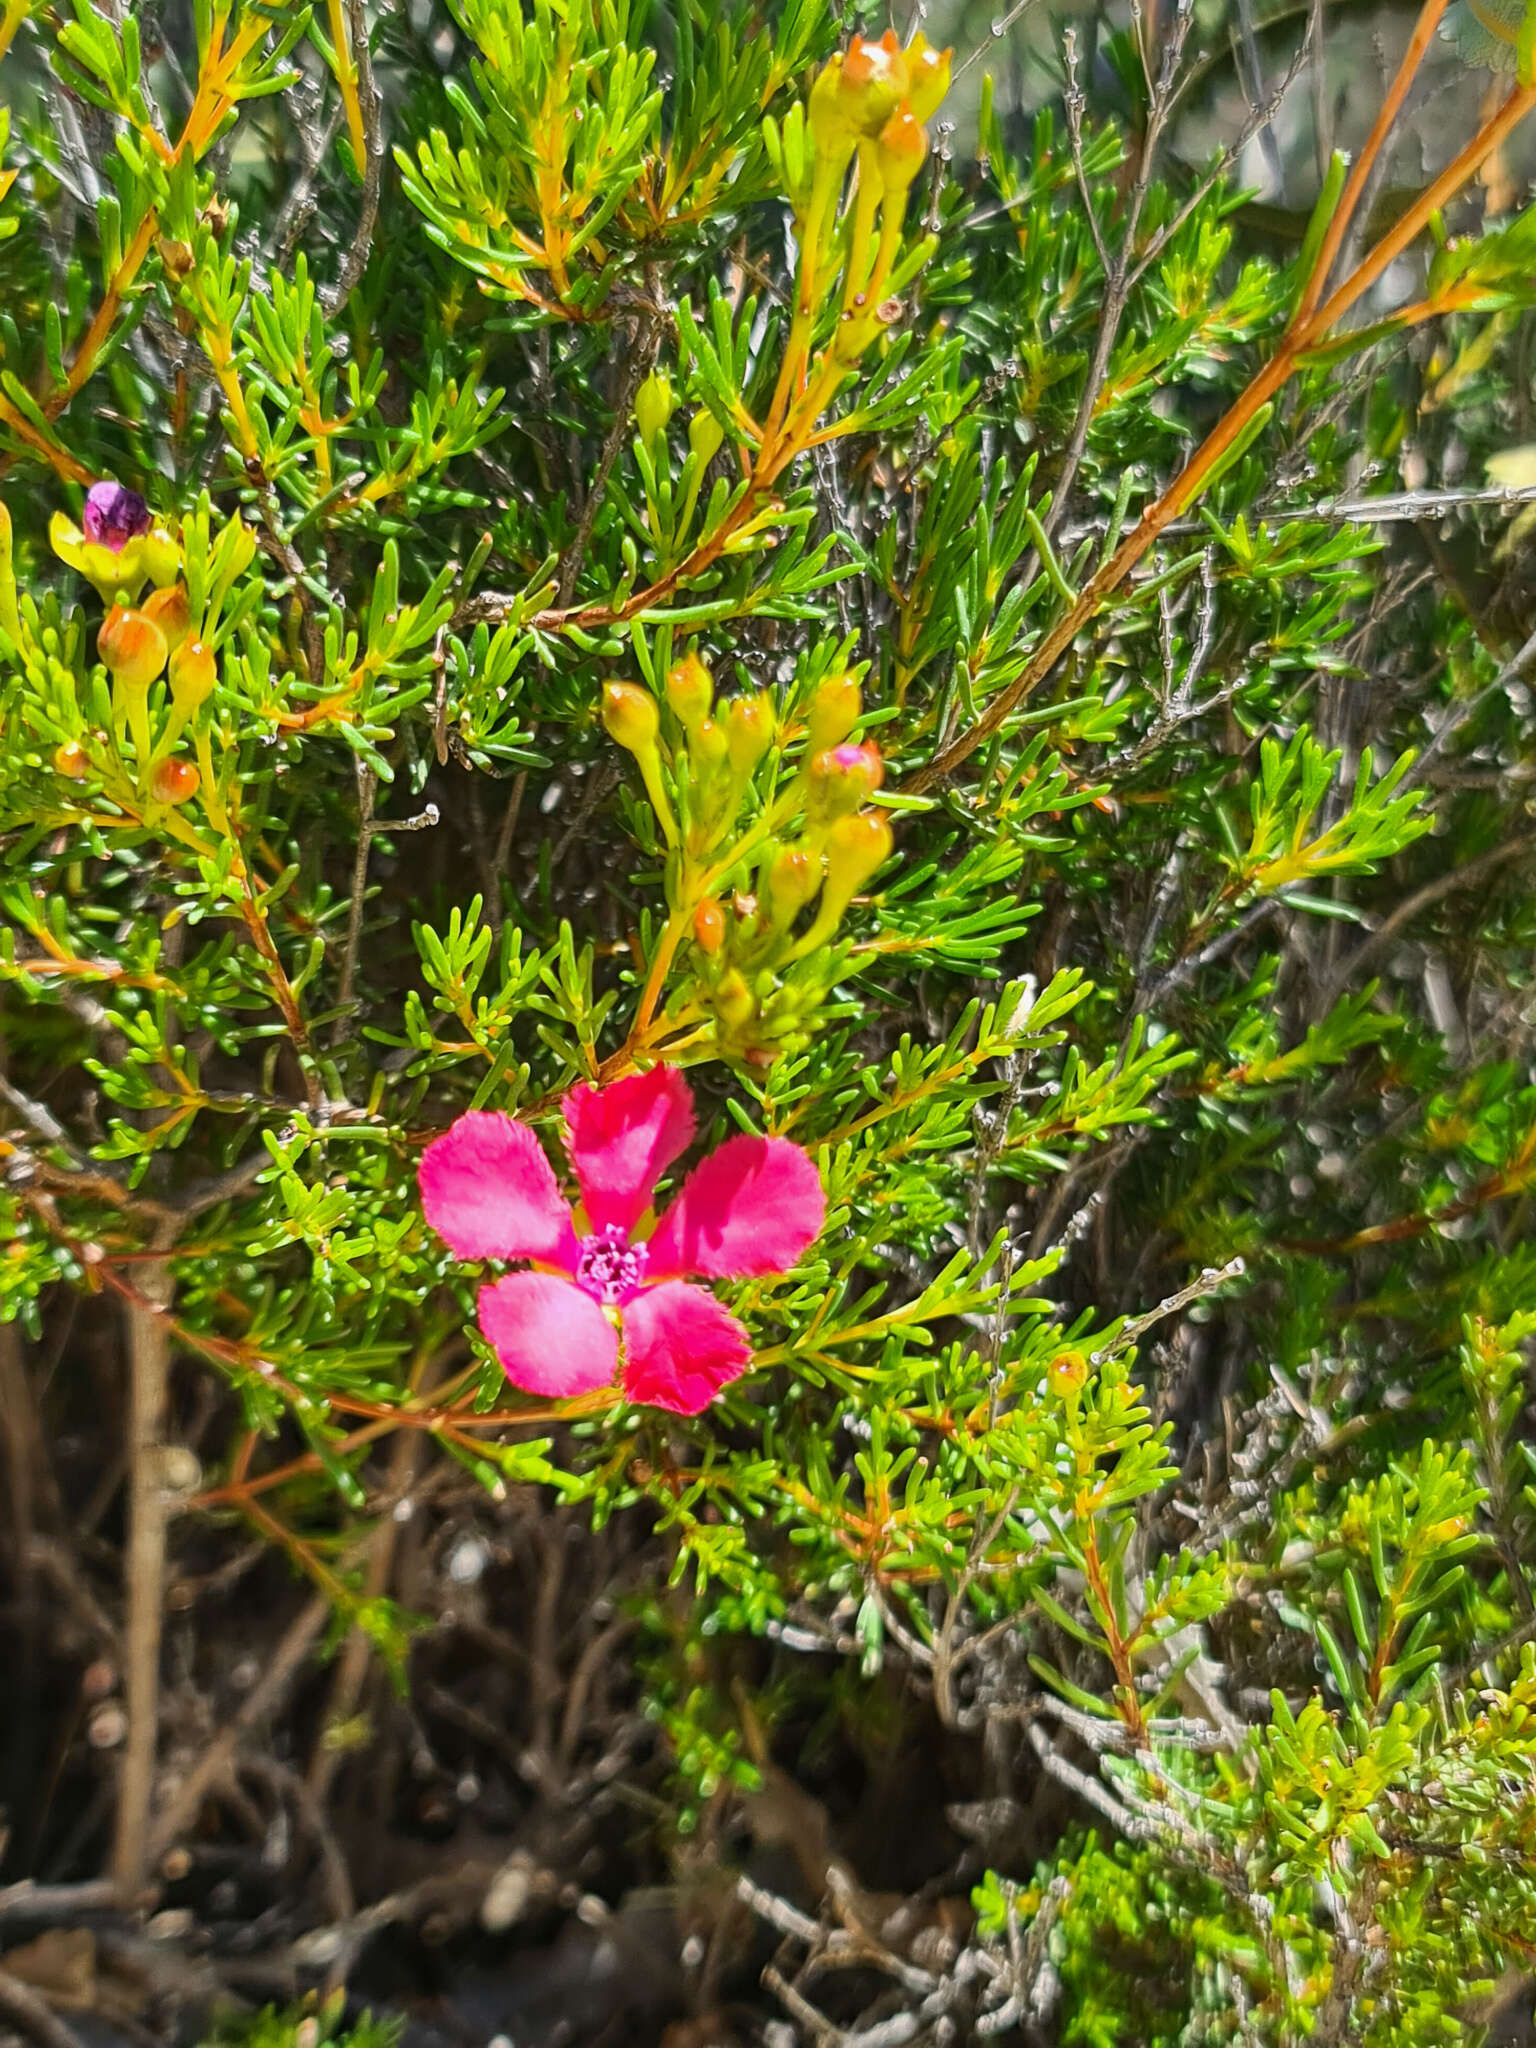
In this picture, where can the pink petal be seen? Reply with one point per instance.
(550, 1337)
(680, 1347)
(623, 1138)
(750, 1208)
(490, 1193)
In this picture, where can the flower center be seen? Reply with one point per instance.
(610, 1268)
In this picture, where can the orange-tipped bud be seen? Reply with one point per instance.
(689, 690)
(748, 730)
(1067, 1373)
(631, 716)
(856, 848)
(69, 759)
(171, 611)
(899, 151)
(792, 879)
(132, 646)
(927, 77)
(833, 711)
(193, 675)
(841, 778)
(174, 781)
(855, 94)
(709, 926)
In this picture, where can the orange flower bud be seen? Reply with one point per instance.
(171, 611)
(927, 76)
(833, 711)
(174, 781)
(631, 716)
(689, 690)
(874, 78)
(192, 675)
(899, 151)
(855, 93)
(709, 926)
(132, 646)
(69, 759)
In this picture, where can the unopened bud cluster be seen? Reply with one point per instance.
(762, 895)
(143, 640)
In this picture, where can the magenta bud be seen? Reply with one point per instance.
(114, 515)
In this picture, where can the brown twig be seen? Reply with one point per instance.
(148, 1369)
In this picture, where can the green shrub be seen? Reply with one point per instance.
(606, 418)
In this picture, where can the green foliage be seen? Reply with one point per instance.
(1157, 1394)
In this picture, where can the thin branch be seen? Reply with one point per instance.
(370, 105)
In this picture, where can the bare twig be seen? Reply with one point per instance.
(287, 1659)
(371, 107)
(25, 2011)
(148, 1369)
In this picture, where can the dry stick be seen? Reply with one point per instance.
(352, 1665)
(148, 1370)
(22, 2009)
(370, 107)
(216, 1759)
(1300, 337)
(1444, 885)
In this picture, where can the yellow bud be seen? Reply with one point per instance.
(631, 716)
(132, 646)
(705, 435)
(707, 745)
(733, 999)
(69, 759)
(927, 77)
(654, 405)
(792, 879)
(856, 847)
(192, 675)
(833, 711)
(689, 690)
(748, 730)
(1067, 1373)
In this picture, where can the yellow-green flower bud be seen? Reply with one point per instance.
(856, 93)
(833, 711)
(733, 999)
(631, 716)
(927, 77)
(708, 746)
(856, 848)
(689, 690)
(192, 675)
(705, 435)
(748, 730)
(654, 405)
(791, 880)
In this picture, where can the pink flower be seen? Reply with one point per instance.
(602, 1273)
